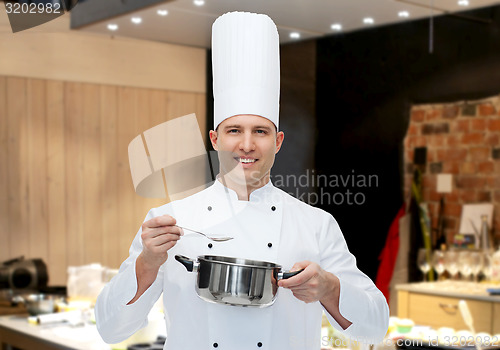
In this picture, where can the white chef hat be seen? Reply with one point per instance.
(246, 66)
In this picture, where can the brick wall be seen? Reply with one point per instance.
(462, 139)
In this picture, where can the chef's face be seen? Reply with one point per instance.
(247, 145)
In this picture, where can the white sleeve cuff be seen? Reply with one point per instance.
(125, 288)
(118, 320)
(355, 305)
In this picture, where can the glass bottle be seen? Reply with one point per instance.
(495, 266)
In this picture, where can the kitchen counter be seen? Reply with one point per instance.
(17, 332)
(436, 304)
(454, 289)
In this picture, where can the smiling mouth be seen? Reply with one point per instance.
(246, 160)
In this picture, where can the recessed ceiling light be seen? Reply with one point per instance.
(294, 35)
(463, 2)
(368, 20)
(199, 2)
(162, 12)
(404, 14)
(136, 20)
(112, 26)
(336, 26)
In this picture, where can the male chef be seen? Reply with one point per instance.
(266, 223)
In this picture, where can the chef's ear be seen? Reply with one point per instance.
(280, 136)
(213, 139)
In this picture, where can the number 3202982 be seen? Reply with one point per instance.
(32, 8)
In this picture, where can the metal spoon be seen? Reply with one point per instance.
(215, 239)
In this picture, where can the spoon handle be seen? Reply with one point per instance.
(185, 228)
(216, 239)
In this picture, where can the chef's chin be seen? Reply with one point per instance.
(243, 177)
(240, 180)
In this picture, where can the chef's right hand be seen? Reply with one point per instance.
(158, 236)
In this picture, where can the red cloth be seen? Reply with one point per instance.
(388, 256)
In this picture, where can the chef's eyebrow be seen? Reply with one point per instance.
(237, 126)
(234, 126)
(263, 127)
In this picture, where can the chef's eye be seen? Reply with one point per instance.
(261, 131)
(232, 131)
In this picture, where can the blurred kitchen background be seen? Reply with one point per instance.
(405, 93)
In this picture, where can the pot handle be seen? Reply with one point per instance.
(285, 275)
(188, 263)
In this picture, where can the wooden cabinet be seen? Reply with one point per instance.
(440, 310)
(496, 318)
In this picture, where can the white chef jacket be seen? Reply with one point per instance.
(272, 226)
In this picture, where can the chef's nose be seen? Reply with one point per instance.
(247, 142)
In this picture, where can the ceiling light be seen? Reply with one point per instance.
(294, 35)
(199, 2)
(136, 20)
(404, 14)
(112, 26)
(337, 27)
(463, 2)
(368, 20)
(162, 12)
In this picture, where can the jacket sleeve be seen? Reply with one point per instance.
(117, 321)
(360, 300)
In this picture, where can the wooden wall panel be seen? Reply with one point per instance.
(4, 167)
(126, 132)
(37, 168)
(109, 173)
(74, 55)
(158, 99)
(92, 177)
(142, 122)
(68, 194)
(16, 161)
(201, 115)
(56, 183)
(73, 111)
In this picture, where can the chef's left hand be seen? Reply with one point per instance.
(312, 284)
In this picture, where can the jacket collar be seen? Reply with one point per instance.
(257, 195)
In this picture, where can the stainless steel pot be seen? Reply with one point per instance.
(235, 281)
